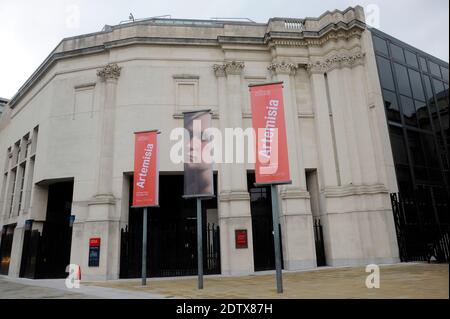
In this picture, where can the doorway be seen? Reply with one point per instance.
(262, 226)
(172, 234)
(5, 248)
(312, 186)
(56, 239)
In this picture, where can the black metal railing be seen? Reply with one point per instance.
(172, 251)
(420, 234)
(320, 247)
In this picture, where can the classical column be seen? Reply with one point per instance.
(325, 146)
(342, 124)
(109, 74)
(224, 169)
(233, 71)
(234, 200)
(364, 137)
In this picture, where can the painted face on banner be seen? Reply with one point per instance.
(197, 173)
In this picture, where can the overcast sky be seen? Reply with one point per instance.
(30, 30)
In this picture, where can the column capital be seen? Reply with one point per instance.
(335, 62)
(109, 71)
(283, 68)
(219, 70)
(228, 68)
(234, 67)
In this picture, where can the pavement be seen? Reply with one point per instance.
(22, 288)
(401, 281)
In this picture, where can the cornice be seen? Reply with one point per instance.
(332, 32)
(352, 190)
(276, 37)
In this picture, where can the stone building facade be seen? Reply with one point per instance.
(74, 120)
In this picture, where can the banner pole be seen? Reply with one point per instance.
(144, 248)
(276, 237)
(199, 244)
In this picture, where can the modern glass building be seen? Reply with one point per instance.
(416, 98)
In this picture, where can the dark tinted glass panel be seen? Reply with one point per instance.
(422, 115)
(411, 59)
(438, 88)
(386, 78)
(435, 69)
(423, 64)
(397, 53)
(403, 178)
(441, 97)
(380, 45)
(444, 73)
(430, 150)
(409, 111)
(441, 145)
(391, 105)
(415, 148)
(420, 173)
(402, 80)
(428, 89)
(434, 115)
(434, 174)
(416, 85)
(442, 203)
(398, 145)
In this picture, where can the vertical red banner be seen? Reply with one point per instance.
(272, 162)
(146, 173)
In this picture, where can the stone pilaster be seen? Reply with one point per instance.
(234, 200)
(339, 102)
(327, 173)
(102, 220)
(365, 141)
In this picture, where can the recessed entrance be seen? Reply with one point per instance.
(172, 234)
(46, 255)
(262, 226)
(5, 248)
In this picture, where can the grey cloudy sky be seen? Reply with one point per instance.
(30, 30)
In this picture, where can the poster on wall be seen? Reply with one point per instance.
(272, 162)
(146, 170)
(198, 174)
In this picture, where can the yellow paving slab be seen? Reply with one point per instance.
(419, 280)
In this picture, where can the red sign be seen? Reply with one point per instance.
(272, 162)
(94, 242)
(145, 187)
(241, 238)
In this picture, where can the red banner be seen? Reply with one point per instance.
(272, 162)
(146, 174)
